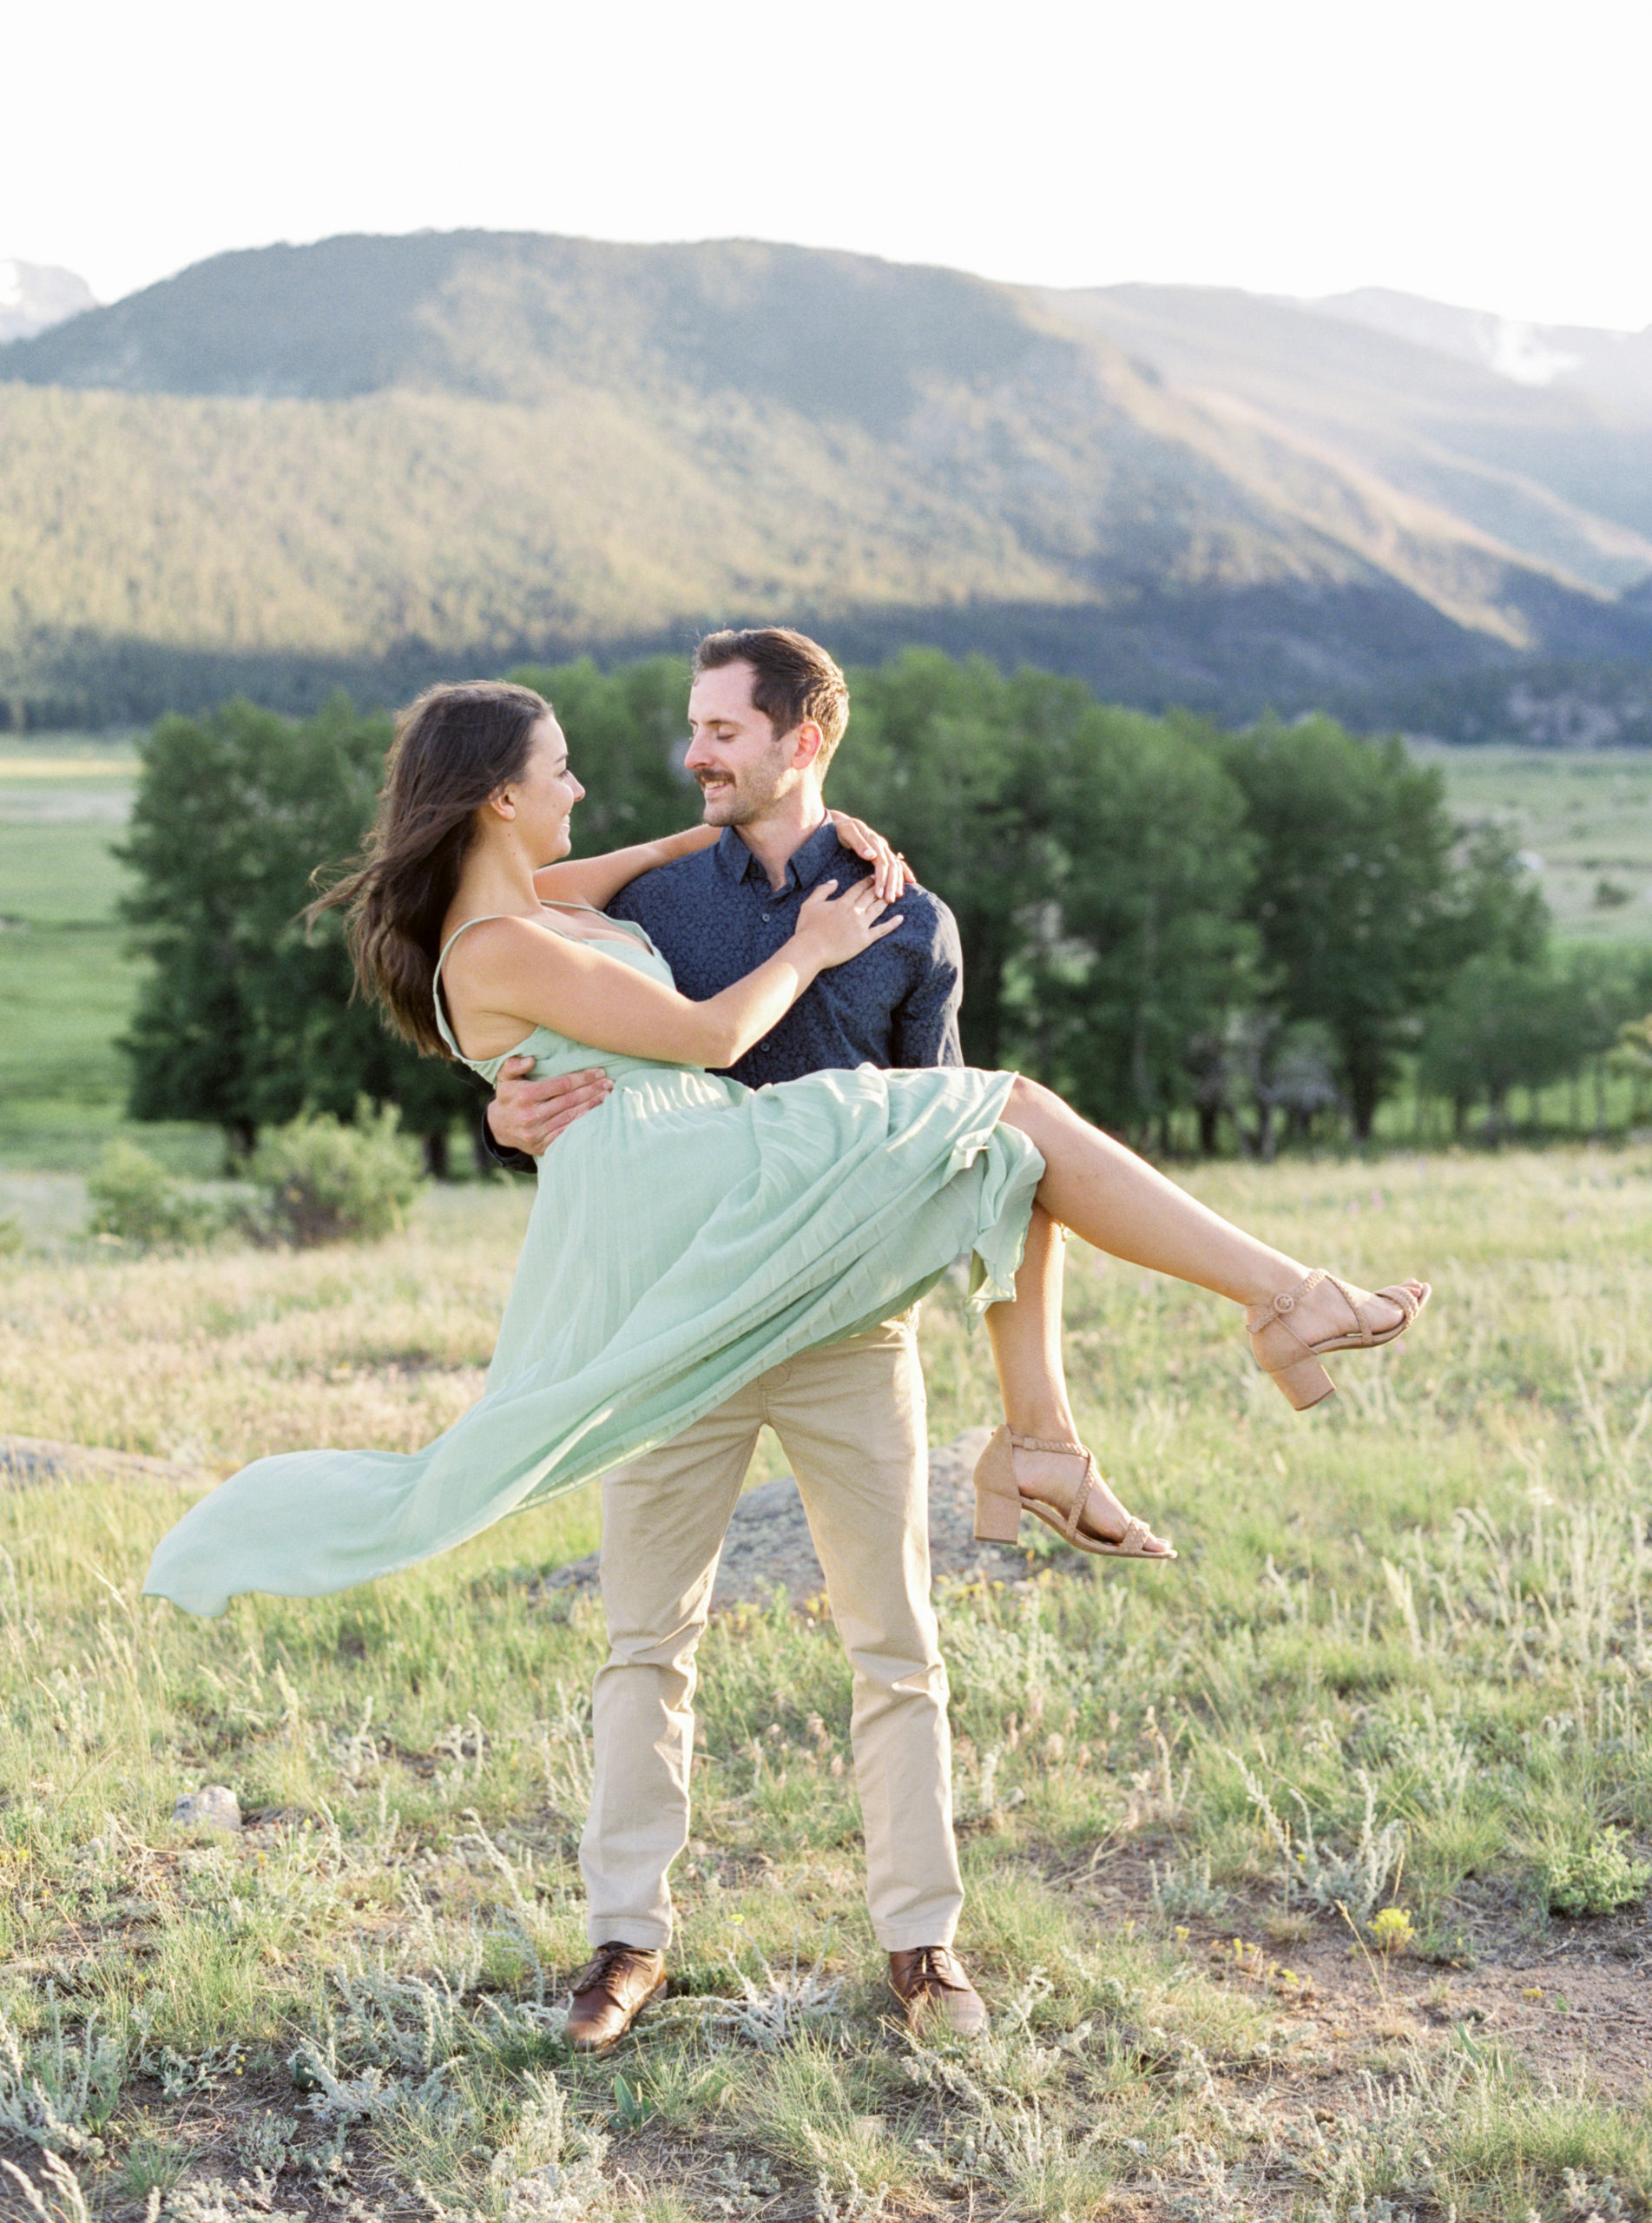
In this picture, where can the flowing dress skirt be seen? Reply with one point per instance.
(684, 1238)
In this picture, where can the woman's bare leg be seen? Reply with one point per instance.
(1026, 1352)
(1026, 1338)
(1118, 1202)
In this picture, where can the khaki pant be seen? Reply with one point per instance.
(851, 1419)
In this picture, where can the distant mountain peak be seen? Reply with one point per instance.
(1525, 353)
(35, 295)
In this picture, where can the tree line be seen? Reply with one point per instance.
(1197, 936)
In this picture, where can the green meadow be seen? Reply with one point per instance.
(67, 980)
(1584, 818)
(1308, 1878)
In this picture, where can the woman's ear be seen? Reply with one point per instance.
(501, 802)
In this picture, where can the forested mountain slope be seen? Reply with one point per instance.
(375, 459)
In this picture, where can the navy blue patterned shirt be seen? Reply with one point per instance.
(714, 918)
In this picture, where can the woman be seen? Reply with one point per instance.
(691, 1233)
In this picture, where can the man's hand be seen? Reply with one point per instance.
(891, 874)
(528, 1115)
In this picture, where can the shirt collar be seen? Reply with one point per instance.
(803, 868)
(734, 860)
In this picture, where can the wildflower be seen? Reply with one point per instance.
(1392, 1931)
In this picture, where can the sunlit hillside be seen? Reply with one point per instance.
(363, 461)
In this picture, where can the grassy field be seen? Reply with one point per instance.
(1279, 1859)
(1584, 819)
(67, 983)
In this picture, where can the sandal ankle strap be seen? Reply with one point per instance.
(1281, 1306)
(1047, 1443)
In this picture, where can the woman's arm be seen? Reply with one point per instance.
(597, 880)
(511, 973)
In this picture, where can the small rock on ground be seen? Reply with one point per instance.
(37, 1459)
(769, 1547)
(214, 1807)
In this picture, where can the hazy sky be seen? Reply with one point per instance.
(1491, 152)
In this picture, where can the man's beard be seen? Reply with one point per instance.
(727, 805)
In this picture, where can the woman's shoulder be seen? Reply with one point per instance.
(485, 939)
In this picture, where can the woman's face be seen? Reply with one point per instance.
(544, 795)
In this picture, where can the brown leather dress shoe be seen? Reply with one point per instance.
(611, 1993)
(931, 1986)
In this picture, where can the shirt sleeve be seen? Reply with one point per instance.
(514, 1161)
(925, 1022)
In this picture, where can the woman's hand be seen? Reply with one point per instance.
(830, 933)
(891, 874)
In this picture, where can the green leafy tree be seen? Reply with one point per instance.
(1141, 950)
(1094, 860)
(1494, 904)
(247, 1019)
(1356, 899)
(1502, 1024)
(962, 769)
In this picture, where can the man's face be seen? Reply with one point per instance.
(742, 766)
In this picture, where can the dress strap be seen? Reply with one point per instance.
(442, 1027)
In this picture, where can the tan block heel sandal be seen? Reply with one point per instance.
(1000, 1501)
(1293, 1361)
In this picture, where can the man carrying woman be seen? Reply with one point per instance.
(704, 1257)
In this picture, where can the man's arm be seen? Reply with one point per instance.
(925, 1029)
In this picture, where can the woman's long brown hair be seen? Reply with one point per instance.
(454, 748)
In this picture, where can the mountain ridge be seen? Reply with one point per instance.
(378, 454)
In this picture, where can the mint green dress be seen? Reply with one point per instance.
(686, 1236)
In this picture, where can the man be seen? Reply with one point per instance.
(766, 710)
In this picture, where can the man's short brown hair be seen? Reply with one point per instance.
(793, 679)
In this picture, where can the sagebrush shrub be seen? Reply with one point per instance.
(321, 1181)
(1596, 1878)
(134, 1199)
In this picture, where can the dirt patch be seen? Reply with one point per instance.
(1577, 1997)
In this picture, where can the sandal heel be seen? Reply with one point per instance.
(1305, 1383)
(997, 1501)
